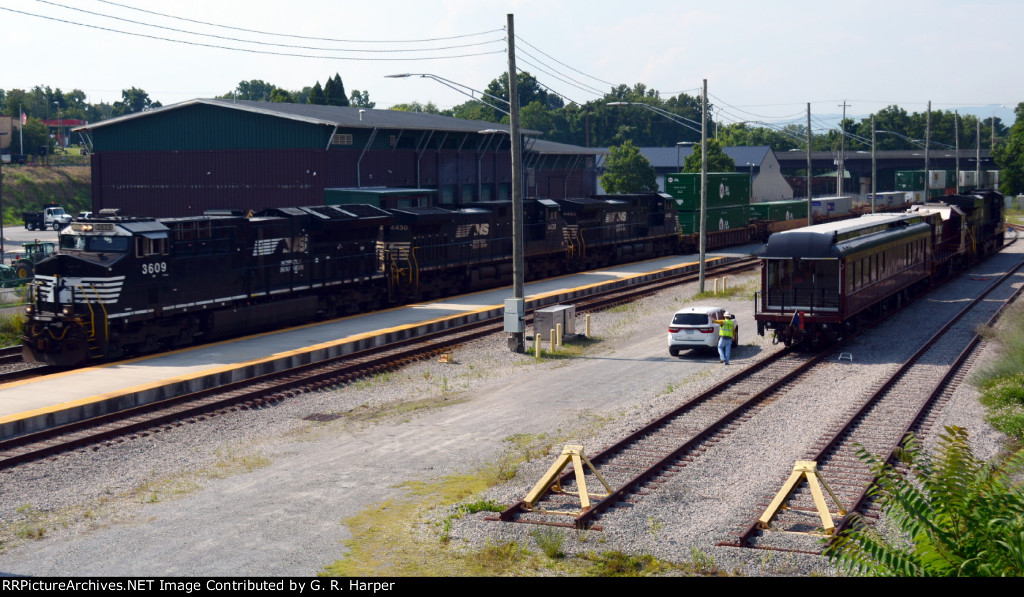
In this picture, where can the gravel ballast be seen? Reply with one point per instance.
(266, 492)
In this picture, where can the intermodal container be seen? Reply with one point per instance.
(779, 210)
(719, 218)
(724, 189)
(909, 180)
(832, 206)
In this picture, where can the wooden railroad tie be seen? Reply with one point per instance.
(803, 469)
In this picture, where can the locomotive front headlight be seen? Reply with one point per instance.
(29, 310)
(67, 311)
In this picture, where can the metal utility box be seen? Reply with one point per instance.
(515, 315)
(545, 320)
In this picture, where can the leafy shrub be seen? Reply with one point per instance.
(960, 516)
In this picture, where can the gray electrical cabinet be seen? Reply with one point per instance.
(545, 320)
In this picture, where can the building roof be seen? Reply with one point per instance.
(553, 148)
(330, 116)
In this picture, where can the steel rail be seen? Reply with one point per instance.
(843, 435)
(269, 388)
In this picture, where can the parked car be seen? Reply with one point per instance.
(695, 327)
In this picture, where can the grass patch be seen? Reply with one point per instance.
(11, 325)
(570, 349)
(1001, 381)
(228, 464)
(32, 524)
(741, 291)
(365, 413)
(395, 539)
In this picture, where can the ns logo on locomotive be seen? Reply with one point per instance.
(123, 286)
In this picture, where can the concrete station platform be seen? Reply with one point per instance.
(42, 403)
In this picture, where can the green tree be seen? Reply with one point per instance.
(718, 161)
(427, 108)
(361, 99)
(35, 135)
(529, 91)
(1009, 156)
(134, 100)
(334, 92)
(281, 96)
(962, 516)
(627, 171)
(316, 95)
(255, 90)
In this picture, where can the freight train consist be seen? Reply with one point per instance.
(124, 286)
(820, 282)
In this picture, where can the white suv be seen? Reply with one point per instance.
(694, 327)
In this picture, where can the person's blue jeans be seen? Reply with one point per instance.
(724, 348)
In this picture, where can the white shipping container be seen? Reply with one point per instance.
(832, 206)
(937, 179)
(890, 199)
(969, 179)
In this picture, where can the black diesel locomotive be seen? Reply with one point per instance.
(124, 286)
(819, 282)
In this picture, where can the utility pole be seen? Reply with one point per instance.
(927, 139)
(703, 180)
(516, 340)
(874, 166)
(977, 159)
(956, 137)
(810, 211)
(841, 173)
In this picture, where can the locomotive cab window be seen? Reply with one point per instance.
(145, 246)
(95, 244)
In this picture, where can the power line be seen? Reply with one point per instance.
(362, 41)
(261, 43)
(247, 50)
(520, 39)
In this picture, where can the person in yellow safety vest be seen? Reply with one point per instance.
(725, 333)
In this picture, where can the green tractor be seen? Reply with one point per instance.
(24, 265)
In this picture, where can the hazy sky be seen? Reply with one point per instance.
(763, 60)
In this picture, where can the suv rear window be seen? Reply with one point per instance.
(690, 319)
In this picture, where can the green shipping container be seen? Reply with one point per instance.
(725, 189)
(779, 210)
(909, 180)
(722, 218)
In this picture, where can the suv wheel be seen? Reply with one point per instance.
(673, 351)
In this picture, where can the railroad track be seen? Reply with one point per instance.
(641, 461)
(903, 403)
(268, 389)
(10, 354)
(665, 445)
